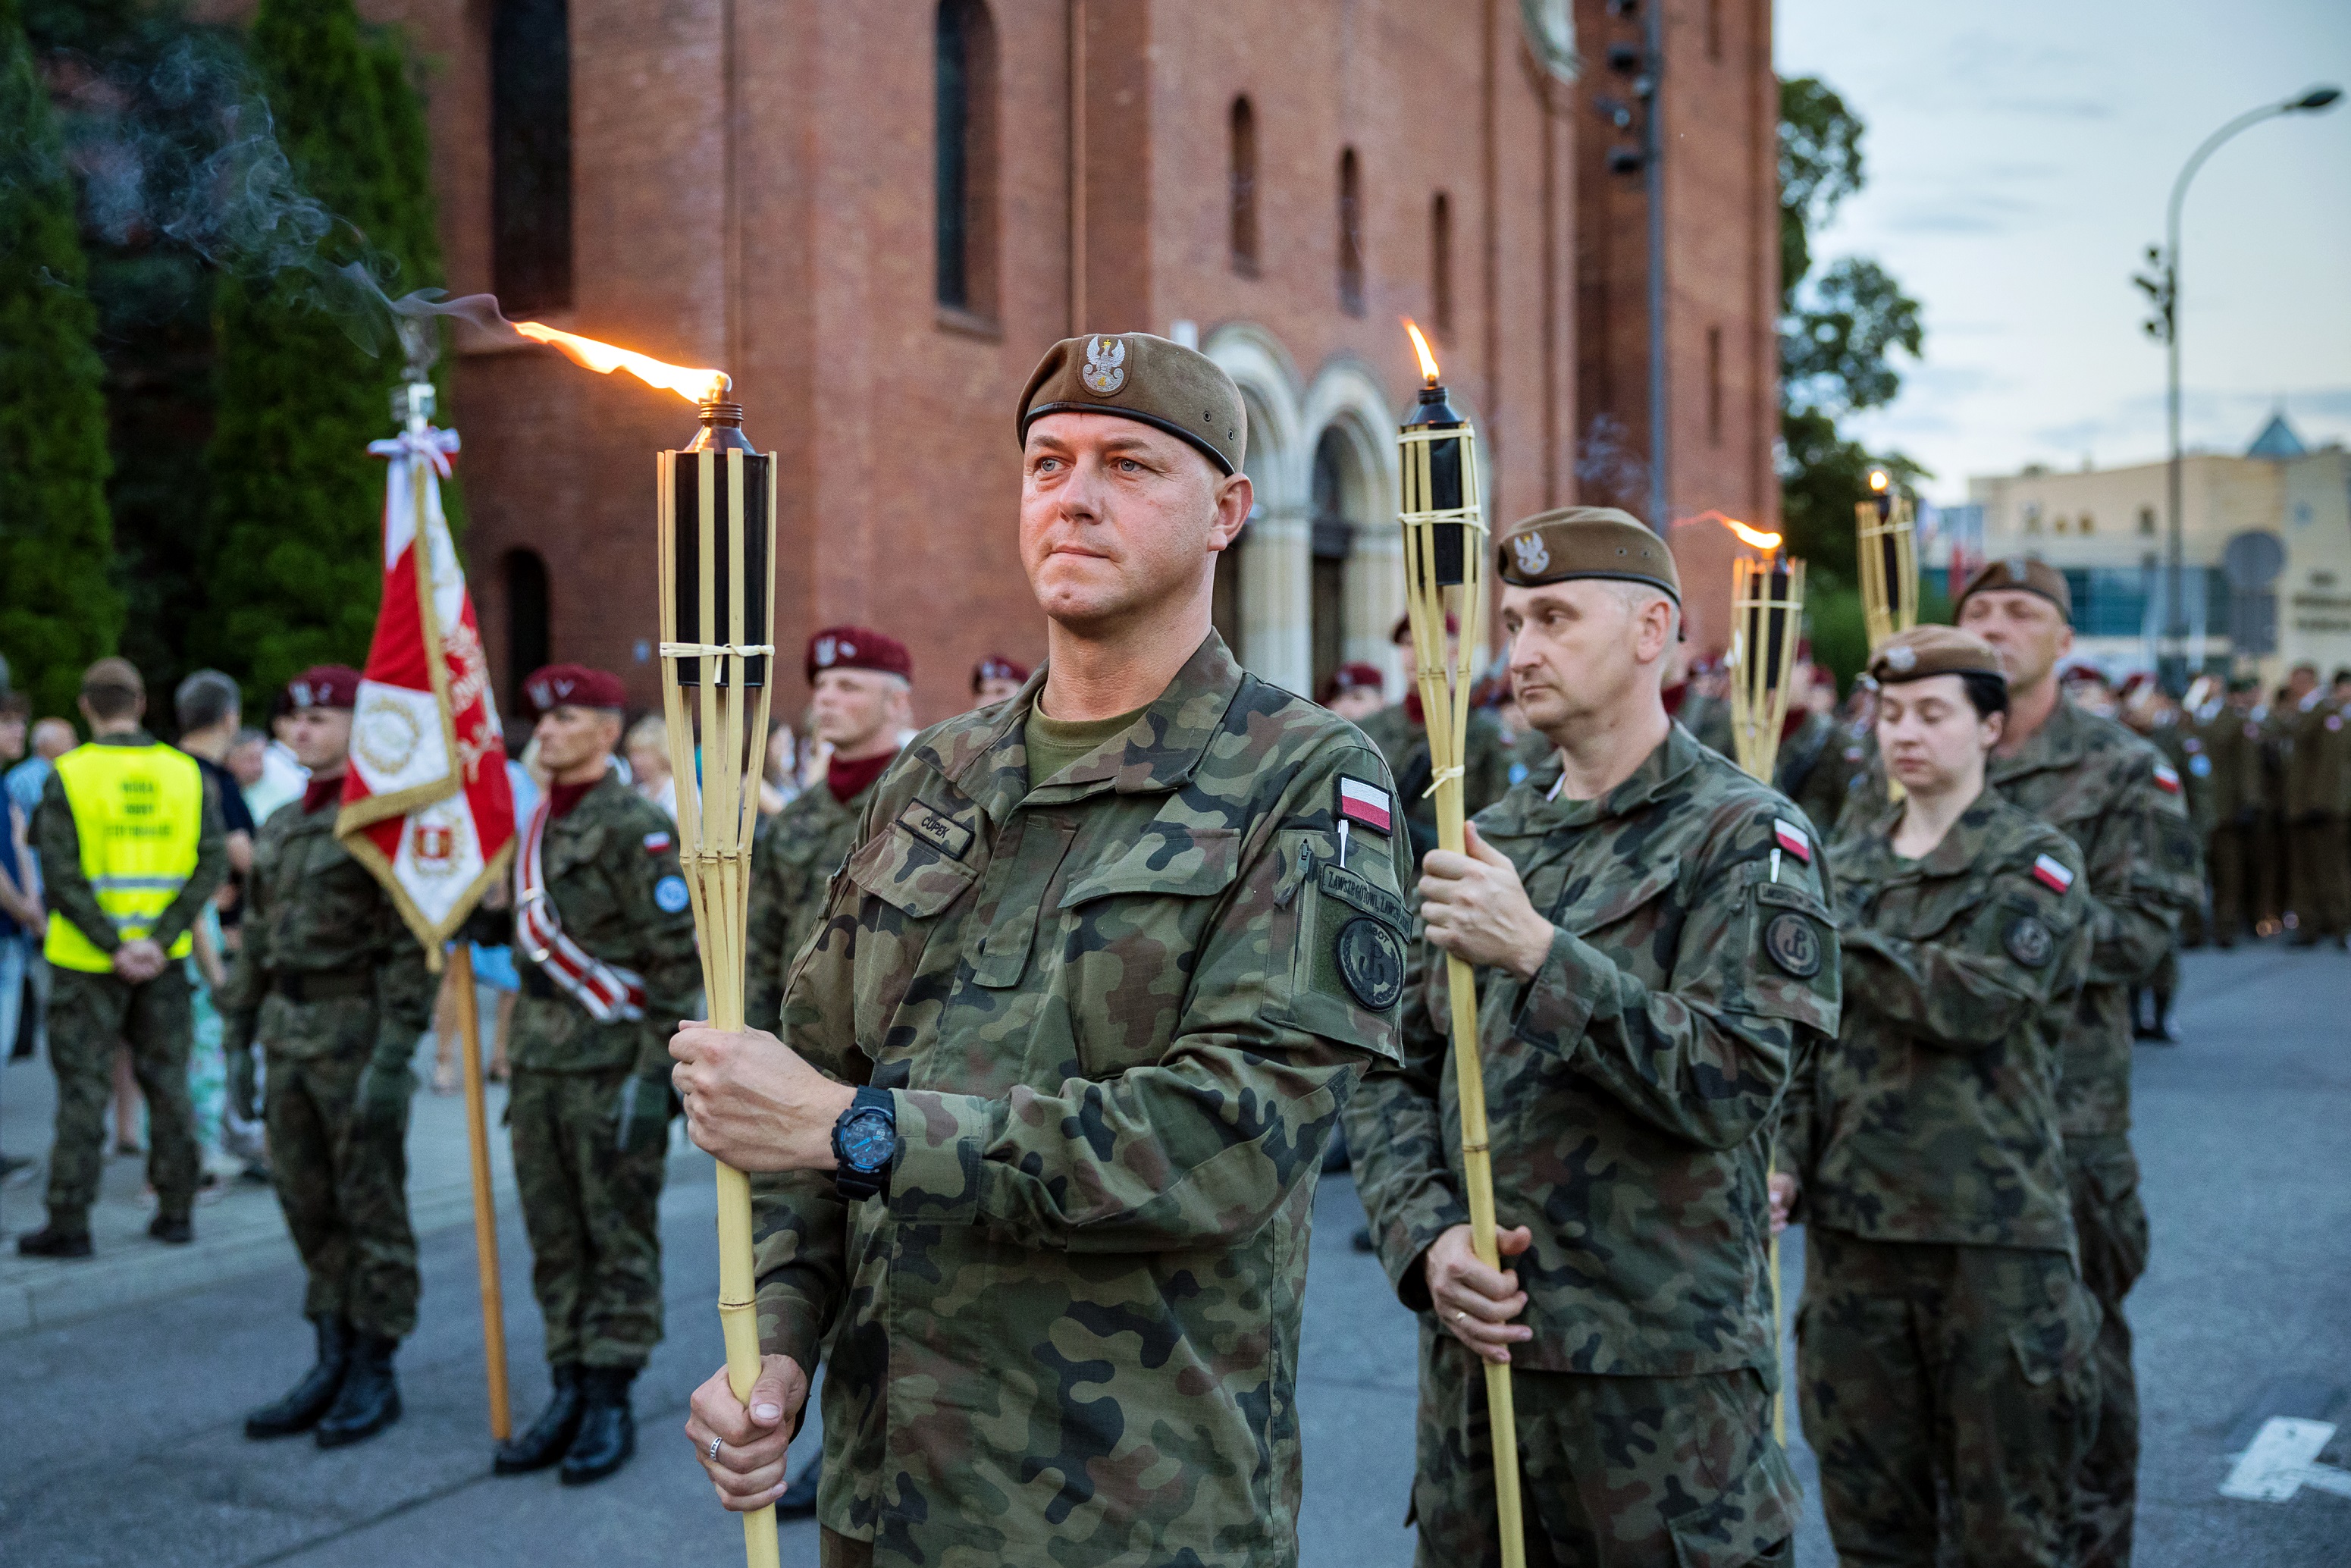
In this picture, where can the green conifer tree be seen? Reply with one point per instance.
(296, 500)
(57, 609)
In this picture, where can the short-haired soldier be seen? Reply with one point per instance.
(1944, 1357)
(603, 939)
(1653, 953)
(1057, 1068)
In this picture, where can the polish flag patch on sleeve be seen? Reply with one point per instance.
(656, 842)
(2050, 873)
(1369, 804)
(1793, 838)
(2166, 778)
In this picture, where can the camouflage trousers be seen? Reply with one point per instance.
(89, 1016)
(593, 1212)
(1929, 1372)
(2111, 1224)
(1675, 1472)
(344, 1191)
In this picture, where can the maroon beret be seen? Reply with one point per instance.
(324, 686)
(997, 667)
(1357, 678)
(572, 685)
(858, 648)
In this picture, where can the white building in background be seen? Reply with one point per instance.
(2106, 529)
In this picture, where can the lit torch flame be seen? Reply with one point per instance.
(1756, 538)
(1878, 480)
(688, 383)
(1420, 347)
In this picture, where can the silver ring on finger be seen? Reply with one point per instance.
(713, 1455)
(1462, 1315)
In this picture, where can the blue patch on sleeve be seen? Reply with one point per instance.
(670, 893)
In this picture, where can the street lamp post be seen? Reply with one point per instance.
(2161, 284)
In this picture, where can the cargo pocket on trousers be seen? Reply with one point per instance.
(1751, 1523)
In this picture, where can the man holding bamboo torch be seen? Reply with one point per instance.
(604, 945)
(1653, 950)
(1065, 1052)
(332, 986)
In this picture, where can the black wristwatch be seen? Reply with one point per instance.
(864, 1143)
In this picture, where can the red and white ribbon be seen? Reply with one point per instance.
(606, 990)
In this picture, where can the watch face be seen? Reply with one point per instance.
(867, 1140)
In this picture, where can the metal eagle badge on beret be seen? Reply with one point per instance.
(1534, 556)
(1371, 960)
(1794, 945)
(2028, 942)
(1105, 369)
(1902, 658)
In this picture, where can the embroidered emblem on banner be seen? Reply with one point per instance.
(1371, 960)
(1794, 945)
(1105, 369)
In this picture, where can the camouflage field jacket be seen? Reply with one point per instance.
(612, 871)
(1115, 1014)
(2113, 794)
(316, 917)
(1933, 1114)
(791, 869)
(1628, 1081)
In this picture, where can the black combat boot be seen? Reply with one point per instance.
(308, 1400)
(550, 1437)
(607, 1427)
(49, 1241)
(370, 1399)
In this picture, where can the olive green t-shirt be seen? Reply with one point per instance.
(1054, 743)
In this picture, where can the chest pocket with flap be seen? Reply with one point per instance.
(1130, 925)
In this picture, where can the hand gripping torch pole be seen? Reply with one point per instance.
(717, 548)
(1444, 576)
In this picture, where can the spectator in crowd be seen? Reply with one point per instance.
(647, 749)
(51, 738)
(20, 905)
(779, 782)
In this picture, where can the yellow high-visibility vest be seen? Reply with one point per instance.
(139, 811)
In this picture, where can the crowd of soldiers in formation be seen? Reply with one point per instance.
(1107, 988)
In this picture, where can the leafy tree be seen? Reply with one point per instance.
(1838, 335)
(57, 609)
(304, 382)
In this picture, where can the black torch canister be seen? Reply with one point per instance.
(1440, 484)
(722, 499)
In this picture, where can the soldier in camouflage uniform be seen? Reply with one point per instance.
(1403, 738)
(604, 937)
(2231, 741)
(1102, 983)
(334, 987)
(2115, 798)
(1944, 1339)
(1653, 953)
(113, 924)
(862, 704)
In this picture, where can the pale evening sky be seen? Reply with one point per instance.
(2019, 156)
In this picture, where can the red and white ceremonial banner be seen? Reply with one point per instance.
(427, 805)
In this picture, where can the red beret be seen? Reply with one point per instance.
(572, 685)
(325, 685)
(997, 667)
(858, 648)
(1357, 678)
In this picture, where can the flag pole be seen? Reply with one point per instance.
(485, 1214)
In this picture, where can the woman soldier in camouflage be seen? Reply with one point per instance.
(1944, 1342)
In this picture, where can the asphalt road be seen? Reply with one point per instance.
(121, 1430)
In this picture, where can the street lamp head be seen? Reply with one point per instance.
(2316, 98)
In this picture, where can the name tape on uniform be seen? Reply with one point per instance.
(1365, 803)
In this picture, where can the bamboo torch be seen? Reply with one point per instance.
(1445, 575)
(1889, 558)
(716, 501)
(1767, 615)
